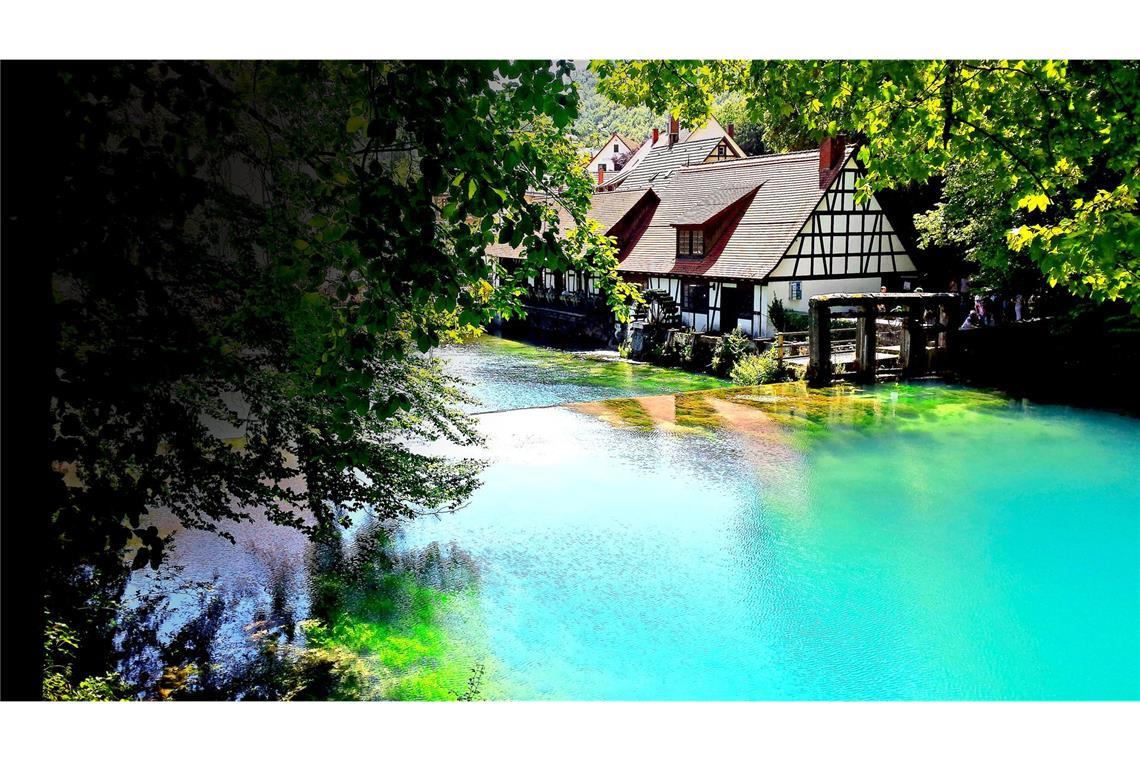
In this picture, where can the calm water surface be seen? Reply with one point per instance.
(907, 542)
(506, 374)
(910, 542)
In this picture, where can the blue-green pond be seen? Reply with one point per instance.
(903, 542)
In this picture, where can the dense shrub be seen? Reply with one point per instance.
(795, 321)
(729, 350)
(776, 314)
(786, 320)
(758, 369)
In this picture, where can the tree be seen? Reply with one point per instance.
(274, 247)
(1056, 142)
(598, 117)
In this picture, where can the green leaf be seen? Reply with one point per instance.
(355, 124)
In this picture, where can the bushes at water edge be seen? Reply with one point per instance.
(759, 369)
(730, 349)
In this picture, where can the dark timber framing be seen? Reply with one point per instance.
(913, 356)
(817, 246)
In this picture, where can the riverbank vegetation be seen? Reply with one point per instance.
(1043, 157)
(321, 226)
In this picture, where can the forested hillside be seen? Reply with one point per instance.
(598, 118)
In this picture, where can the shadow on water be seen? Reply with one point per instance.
(378, 623)
(770, 542)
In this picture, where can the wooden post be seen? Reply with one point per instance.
(780, 346)
(953, 319)
(912, 356)
(866, 347)
(819, 344)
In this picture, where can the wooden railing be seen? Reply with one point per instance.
(795, 343)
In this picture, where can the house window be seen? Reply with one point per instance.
(795, 290)
(695, 297)
(615, 147)
(721, 150)
(744, 306)
(602, 167)
(690, 243)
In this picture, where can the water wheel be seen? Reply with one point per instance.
(659, 309)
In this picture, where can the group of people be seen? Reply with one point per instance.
(988, 311)
(983, 310)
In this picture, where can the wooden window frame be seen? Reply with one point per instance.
(687, 301)
(685, 243)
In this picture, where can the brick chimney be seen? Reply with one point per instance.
(731, 131)
(656, 134)
(674, 130)
(830, 159)
(601, 176)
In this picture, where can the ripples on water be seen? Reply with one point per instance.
(906, 543)
(506, 374)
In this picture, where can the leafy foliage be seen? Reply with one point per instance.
(759, 369)
(729, 350)
(319, 227)
(599, 117)
(1056, 142)
(61, 643)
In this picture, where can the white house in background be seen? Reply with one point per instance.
(725, 236)
(659, 156)
(728, 238)
(616, 151)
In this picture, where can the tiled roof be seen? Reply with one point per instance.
(630, 143)
(704, 207)
(788, 191)
(606, 208)
(662, 161)
(774, 196)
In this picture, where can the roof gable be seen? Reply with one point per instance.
(663, 160)
(786, 193)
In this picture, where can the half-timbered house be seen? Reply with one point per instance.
(725, 238)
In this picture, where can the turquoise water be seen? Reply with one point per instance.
(909, 542)
(506, 374)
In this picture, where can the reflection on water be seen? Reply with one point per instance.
(901, 542)
(908, 542)
(507, 374)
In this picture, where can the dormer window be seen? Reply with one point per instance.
(691, 243)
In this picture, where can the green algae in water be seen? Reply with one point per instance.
(421, 652)
(395, 626)
(507, 374)
(895, 542)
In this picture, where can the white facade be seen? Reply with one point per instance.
(844, 239)
(615, 148)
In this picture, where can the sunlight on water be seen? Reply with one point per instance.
(774, 543)
(653, 540)
(507, 374)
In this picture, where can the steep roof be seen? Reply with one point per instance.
(787, 191)
(763, 202)
(662, 161)
(629, 145)
(606, 208)
(712, 128)
(628, 142)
